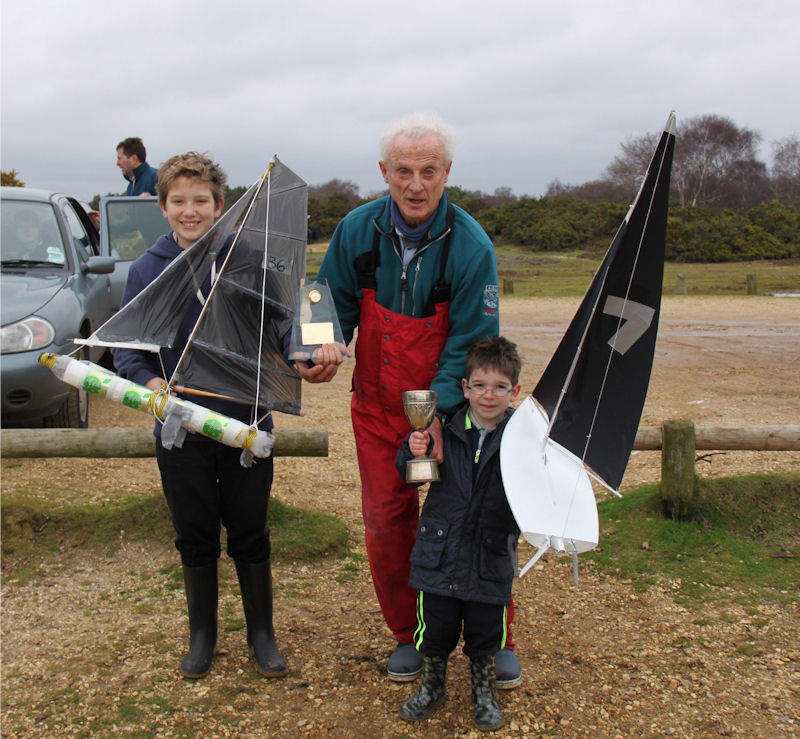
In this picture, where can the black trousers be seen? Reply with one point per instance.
(440, 620)
(206, 488)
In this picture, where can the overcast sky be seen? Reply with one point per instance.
(538, 90)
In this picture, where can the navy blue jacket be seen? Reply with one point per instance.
(140, 366)
(144, 179)
(467, 536)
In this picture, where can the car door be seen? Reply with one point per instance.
(128, 227)
(92, 290)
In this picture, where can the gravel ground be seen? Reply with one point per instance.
(91, 646)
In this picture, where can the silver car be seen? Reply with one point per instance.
(129, 226)
(54, 286)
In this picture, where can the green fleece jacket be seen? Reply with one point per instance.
(471, 272)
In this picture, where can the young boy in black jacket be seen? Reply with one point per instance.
(465, 557)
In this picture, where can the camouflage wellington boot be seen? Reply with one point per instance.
(484, 693)
(431, 693)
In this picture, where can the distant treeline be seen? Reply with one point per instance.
(770, 230)
(725, 204)
(694, 234)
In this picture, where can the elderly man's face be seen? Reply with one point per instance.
(416, 172)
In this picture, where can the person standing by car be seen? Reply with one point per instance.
(132, 160)
(418, 277)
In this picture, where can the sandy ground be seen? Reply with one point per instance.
(599, 660)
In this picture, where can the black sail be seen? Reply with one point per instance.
(595, 385)
(256, 253)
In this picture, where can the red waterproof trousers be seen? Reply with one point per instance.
(394, 353)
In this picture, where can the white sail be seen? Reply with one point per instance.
(582, 417)
(556, 510)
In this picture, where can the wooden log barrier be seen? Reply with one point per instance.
(728, 438)
(138, 442)
(679, 440)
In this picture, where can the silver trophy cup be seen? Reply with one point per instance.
(420, 408)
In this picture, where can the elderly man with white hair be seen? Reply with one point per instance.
(418, 277)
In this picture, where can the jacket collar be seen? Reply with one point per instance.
(457, 423)
(437, 229)
(139, 171)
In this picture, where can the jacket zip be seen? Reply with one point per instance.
(397, 246)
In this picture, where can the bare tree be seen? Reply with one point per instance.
(785, 174)
(709, 151)
(501, 195)
(333, 187)
(594, 191)
(714, 164)
(628, 168)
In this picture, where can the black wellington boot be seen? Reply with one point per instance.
(201, 599)
(256, 583)
(431, 693)
(484, 693)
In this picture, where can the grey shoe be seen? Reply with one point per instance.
(509, 670)
(405, 664)
(431, 693)
(484, 695)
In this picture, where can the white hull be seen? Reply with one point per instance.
(162, 405)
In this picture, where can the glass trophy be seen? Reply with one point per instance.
(315, 321)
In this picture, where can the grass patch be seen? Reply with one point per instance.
(351, 569)
(300, 533)
(730, 278)
(34, 529)
(555, 274)
(545, 274)
(742, 542)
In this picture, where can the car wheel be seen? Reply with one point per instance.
(74, 412)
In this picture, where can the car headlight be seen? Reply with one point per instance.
(26, 335)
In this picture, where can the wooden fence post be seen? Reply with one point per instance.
(752, 285)
(508, 287)
(680, 284)
(679, 488)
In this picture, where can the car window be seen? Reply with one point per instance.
(30, 234)
(134, 226)
(85, 244)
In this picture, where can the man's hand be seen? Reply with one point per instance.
(325, 363)
(435, 430)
